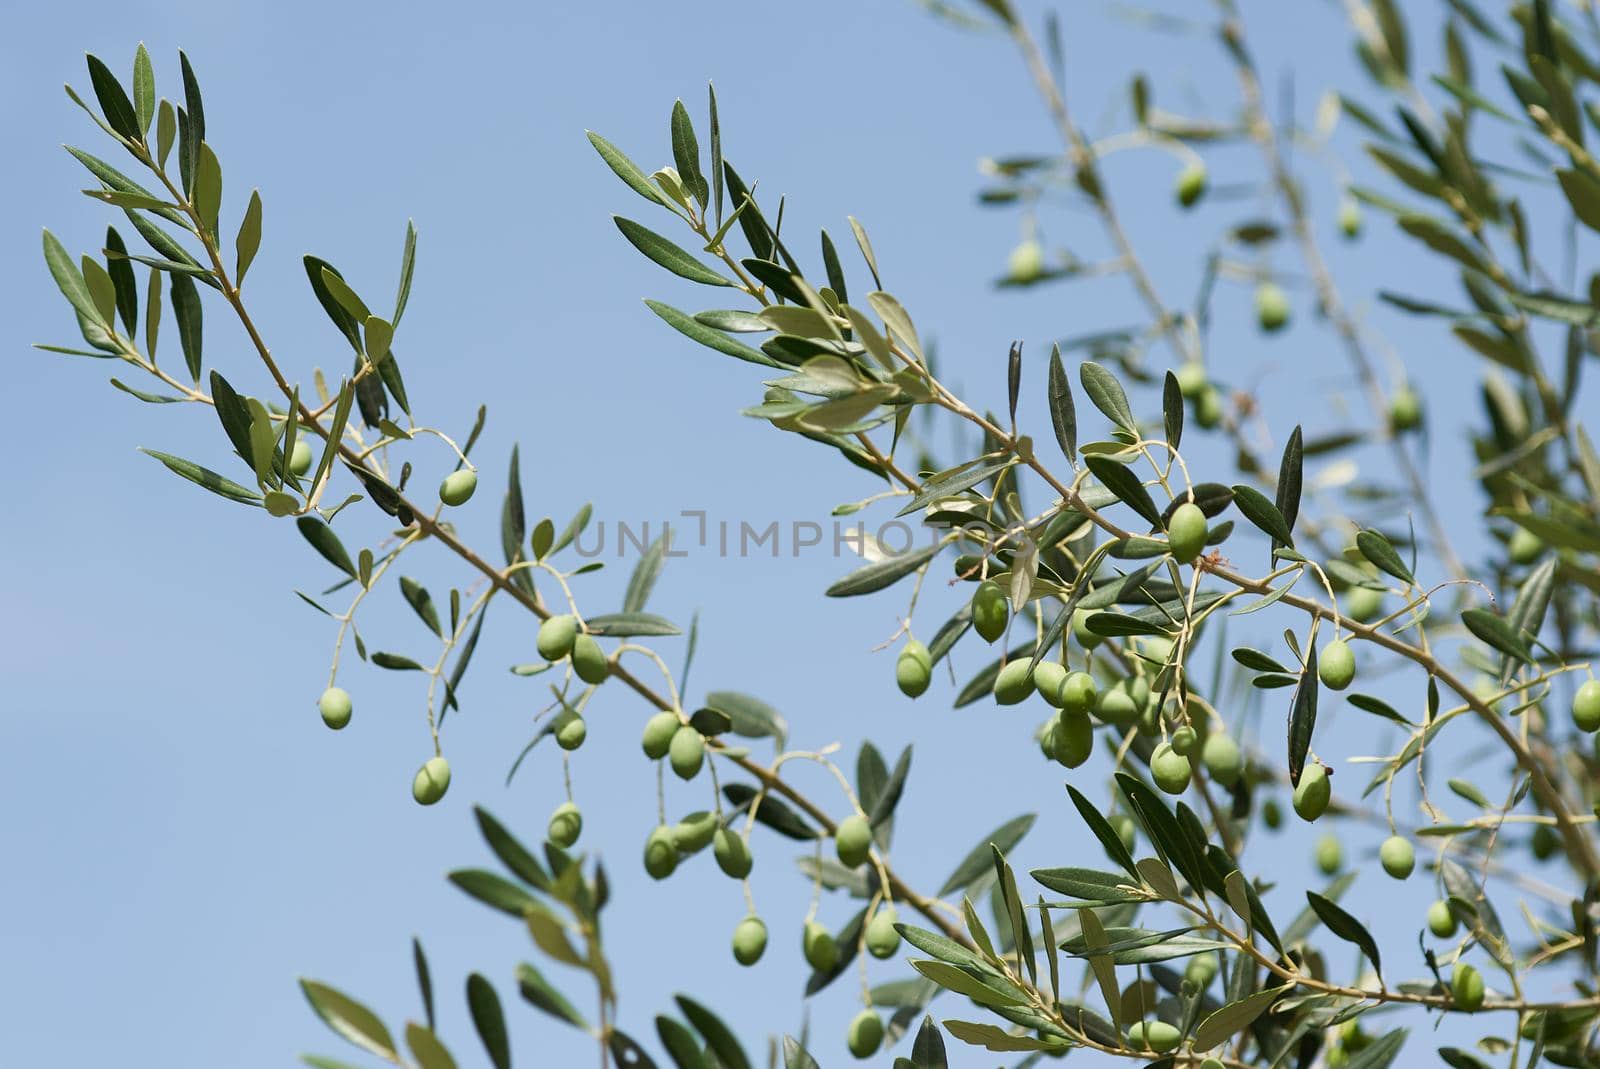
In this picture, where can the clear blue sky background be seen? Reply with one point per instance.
(183, 838)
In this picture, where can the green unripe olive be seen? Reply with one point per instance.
(566, 824)
(1545, 842)
(865, 1034)
(334, 705)
(1330, 855)
(1077, 693)
(821, 949)
(852, 840)
(913, 669)
(1272, 307)
(556, 636)
(749, 940)
(1026, 262)
(1221, 756)
(658, 732)
(1202, 969)
(1586, 706)
(1466, 987)
(300, 457)
(1013, 684)
(1186, 532)
(1313, 792)
(1139, 689)
(1208, 408)
(1184, 740)
(687, 752)
(1116, 705)
(732, 853)
(1080, 630)
(458, 487)
(1048, 676)
(1122, 824)
(1191, 185)
(882, 939)
(589, 660)
(1170, 769)
(1072, 739)
(1045, 737)
(1349, 219)
(1191, 379)
(1441, 921)
(1337, 665)
(1397, 856)
(431, 781)
(1363, 603)
(660, 854)
(1272, 814)
(989, 611)
(1524, 546)
(694, 832)
(1405, 410)
(571, 731)
(1158, 1036)
(1211, 1063)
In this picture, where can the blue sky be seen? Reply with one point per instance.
(184, 837)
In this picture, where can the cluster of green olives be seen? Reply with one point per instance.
(561, 637)
(1201, 393)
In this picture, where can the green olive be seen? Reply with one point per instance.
(1397, 856)
(1191, 379)
(556, 636)
(1546, 841)
(431, 781)
(1272, 307)
(1116, 705)
(1220, 754)
(1191, 185)
(1044, 735)
(989, 610)
(1405, 410)
(1186, 532)
(1026, 262)
(865, 1034)
(852, 840)
(1077, 693)
(1202, 969)
(1048, 677)
(1313, 792)
(1524, 546)
(687, 752)
(1211, 1063)
(1271, 814)
(1071, 739)
(913, 669)
(1330, 855)
(1184, 740)
(658, 732)
(1337, 665)
(1170, 769)
(1208, 408)
(1158, 1036)
(749, 940)
(1013, 684)
(882, 938)
(821, 949)
(1122, 824)
(1586, 706)
(1080, 630)
(1466, 987)
(694, 832)
(570, 730)
(458, 487)
(1350, 219)
(300, 457)
(1441, 919)
(589, 660)
(660, 854)
(334, 705)
(566, 824)
(1363, 603)
(732, 853)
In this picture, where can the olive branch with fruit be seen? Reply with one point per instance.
(1099, 599)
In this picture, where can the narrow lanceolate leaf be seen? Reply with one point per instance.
(1498, 633)
(1107, 395)
(427, 1049)
(1533, 598)
(1120, 480)
(541, 994)
(686, 154)
(751, 717)
(325, 542)
(1090, 885)
(927, 1050)
(955, 481)
(1303, 717)
(350, 1019)
(123, 280)
(114, 102)
(668, 255)
(1290, 478)
(1263, 513)
(249, 239)
(880, 574)
(645, 573)
(207, 478)
(144, 88)
(1234, 1017)
(1172, 409)
(625, 168)
(711, 338)
(630, 625)
(421, 603)
(69, 279)
(186, 309)
(1013, 379)
(1109, 839)
(1063, 415)
(1346, 927)
(718, 1036)
(1381, 553)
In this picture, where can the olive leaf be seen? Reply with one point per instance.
(977, 861)
(1255, 507)
(349, 1019)
(1381, 553)
(1107, 395)
(1063, 414)
(1121, 481)
(880, 574)
(665, 254)
(1346, 927)
(1303, 717)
